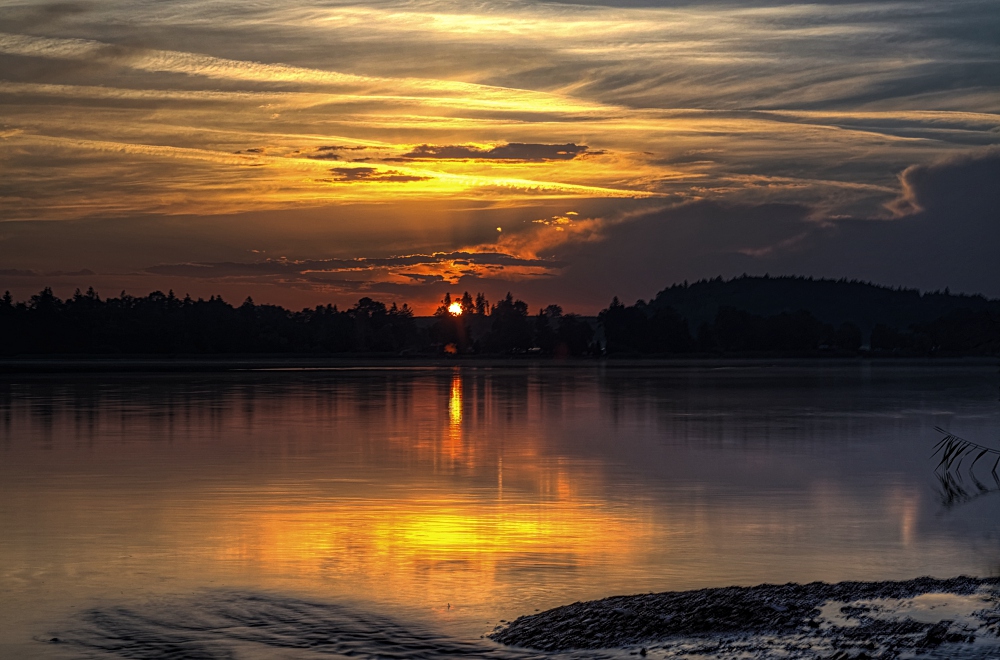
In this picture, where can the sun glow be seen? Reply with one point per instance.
(455, 309)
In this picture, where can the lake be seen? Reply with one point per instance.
(300, 513)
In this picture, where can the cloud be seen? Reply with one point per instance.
(28, 16)
(25, 272)
(968, 181)
(332, 152)
(83, 272)
(945, 234)
(760, 87)
(424, 279)
(786, 124)
(285, 267)
(373, 175)
(457, 93)
(519, 151)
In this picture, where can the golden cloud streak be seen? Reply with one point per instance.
(161, 125)
(287, 179)
(193, 64)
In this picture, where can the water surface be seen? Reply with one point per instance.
(442, 501)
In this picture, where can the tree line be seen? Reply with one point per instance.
(164, 324)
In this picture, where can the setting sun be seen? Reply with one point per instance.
(455, 309)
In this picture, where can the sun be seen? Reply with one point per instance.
(455, 309)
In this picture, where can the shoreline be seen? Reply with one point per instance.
(85, 364)
(842, 620)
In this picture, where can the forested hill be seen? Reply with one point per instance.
(830, 301)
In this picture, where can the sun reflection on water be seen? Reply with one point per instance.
(455, 402)
(439, 529)
(454, 432)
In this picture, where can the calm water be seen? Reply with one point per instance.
(421, 507)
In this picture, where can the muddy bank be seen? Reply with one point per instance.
(847, 619)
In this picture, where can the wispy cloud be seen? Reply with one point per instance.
(514, 151)
(448, 267)
(214, 108)
(371, 174)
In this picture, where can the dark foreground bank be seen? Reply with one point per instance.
(957, 617)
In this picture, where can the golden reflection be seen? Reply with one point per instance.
(454, 441)
(434, 550)
(456, 529)
(455, 401)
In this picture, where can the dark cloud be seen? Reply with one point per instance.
(948, 237)
(353, 174)
(944, 234)
(27, 16)
(332, 152)
(24, 272)
(970, 182)
(653, 4)
(83, 272)
(513, 151)
(641, 255)
(424, 279)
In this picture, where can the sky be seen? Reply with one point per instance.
(306, 153)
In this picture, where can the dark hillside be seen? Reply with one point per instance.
(830, 301)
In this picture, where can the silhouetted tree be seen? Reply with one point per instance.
(163, 324)
(546, 324)
(510, 331)
(450, 331)
(468, 307)
(738, 331)
(644, 329)
(847, 337)
(482, 305)
(574, 336)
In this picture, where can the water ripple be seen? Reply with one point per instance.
(234, 625)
